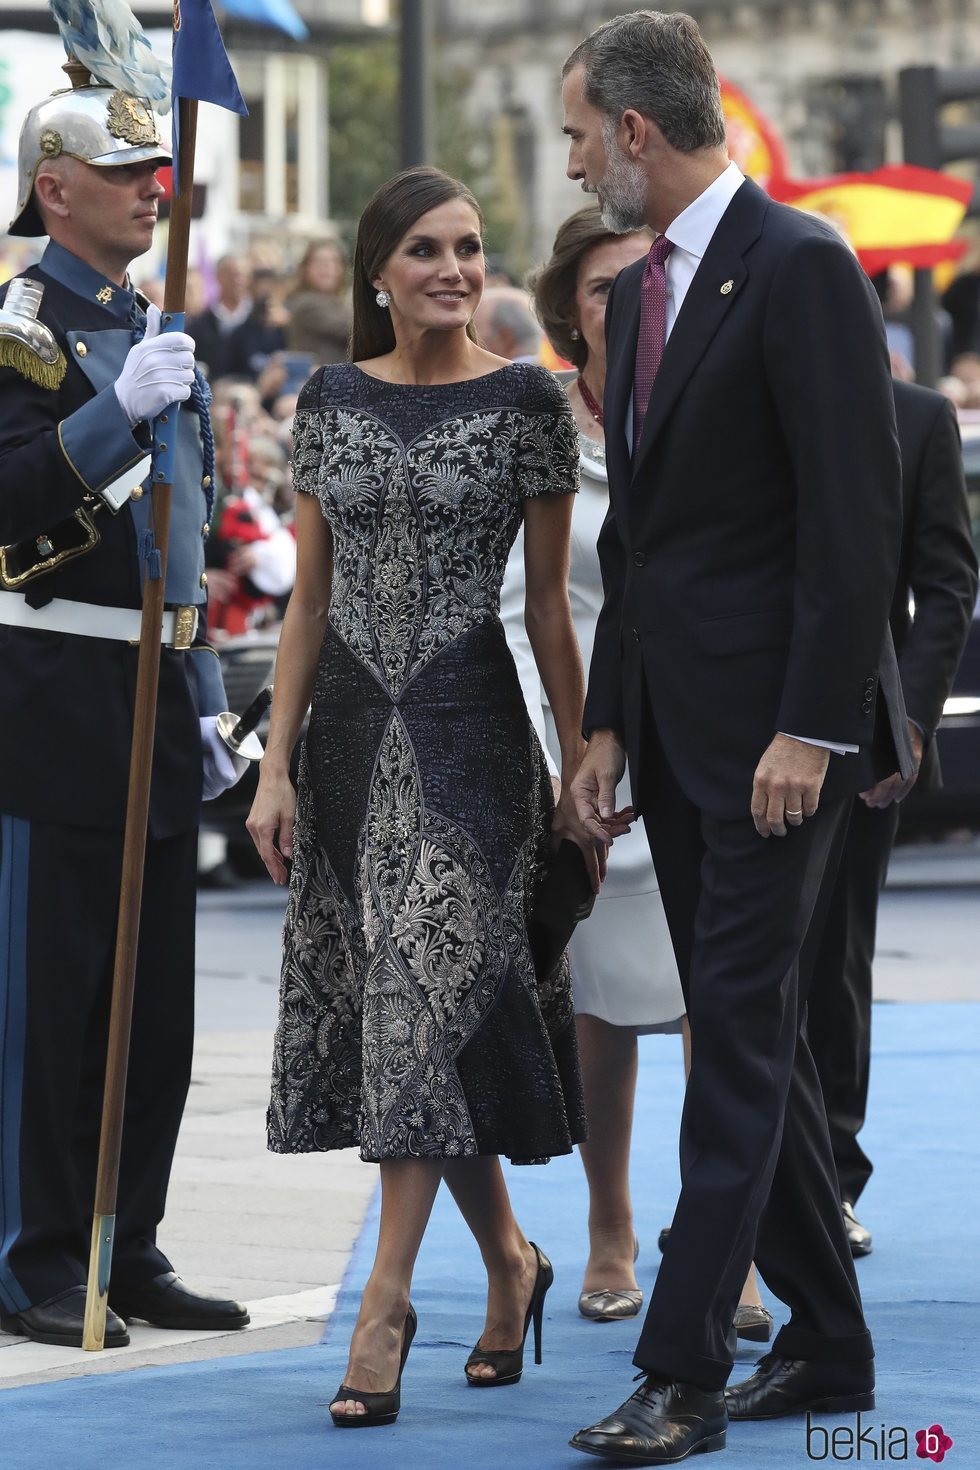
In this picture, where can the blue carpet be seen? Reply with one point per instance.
(268, 1411)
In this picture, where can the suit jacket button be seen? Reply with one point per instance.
(81, 349)
(639, 560)
(636, 634)
(204, 579)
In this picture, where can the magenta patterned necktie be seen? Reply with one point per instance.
(653, 331)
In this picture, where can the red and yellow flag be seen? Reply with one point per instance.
(896, 214)
(753, 142)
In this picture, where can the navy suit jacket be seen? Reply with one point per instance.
(750, 552)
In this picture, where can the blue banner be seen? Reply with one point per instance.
(279, 14)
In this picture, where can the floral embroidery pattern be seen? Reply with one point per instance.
(403, 947)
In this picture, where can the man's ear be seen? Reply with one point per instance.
(637, 133)
(49, 191)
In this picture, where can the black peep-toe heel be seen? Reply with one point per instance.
(508, 1363)
(381, 1408)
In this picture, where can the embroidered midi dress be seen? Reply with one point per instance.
(412, 1023)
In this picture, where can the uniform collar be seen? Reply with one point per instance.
(92, 285)
(694, 226)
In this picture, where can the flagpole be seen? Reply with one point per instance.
(140, 771)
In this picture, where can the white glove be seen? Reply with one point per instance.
(222, 767)
(158, 371)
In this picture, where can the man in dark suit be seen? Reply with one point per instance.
(80, 384)
(749, 560)
(214, 328)
(938, 567)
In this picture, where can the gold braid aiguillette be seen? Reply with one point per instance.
(24, 360)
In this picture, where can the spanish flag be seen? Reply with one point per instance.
(897, 214)
(753, 142)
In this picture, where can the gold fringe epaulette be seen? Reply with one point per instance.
(25, 360)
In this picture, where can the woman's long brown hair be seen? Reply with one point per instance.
(390, 213)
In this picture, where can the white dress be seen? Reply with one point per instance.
(622, 963)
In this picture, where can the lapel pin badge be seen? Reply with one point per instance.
(726, 288)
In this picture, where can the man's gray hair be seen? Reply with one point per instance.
(656, 64)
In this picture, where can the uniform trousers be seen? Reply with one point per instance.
(839, 1008)
(59, 896)
(757, 1173)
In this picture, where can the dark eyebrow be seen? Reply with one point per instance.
(428, 240)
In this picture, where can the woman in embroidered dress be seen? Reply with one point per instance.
(412, 1022)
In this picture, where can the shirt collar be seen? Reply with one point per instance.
(85, 281)
(694, 226)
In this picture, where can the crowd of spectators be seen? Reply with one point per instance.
(260, 332)
(957, 322)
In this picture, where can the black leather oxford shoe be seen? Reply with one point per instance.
(858, 1236)
(662, 1423)
(165, 1301)
(58, 1322)
(781, 1386)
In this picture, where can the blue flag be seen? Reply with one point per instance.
(201, 66)
(279, 14)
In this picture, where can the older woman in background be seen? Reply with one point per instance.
(624, 976)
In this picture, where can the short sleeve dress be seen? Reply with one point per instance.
(412, 1023)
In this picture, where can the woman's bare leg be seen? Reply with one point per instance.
(408, 1189)
(608, 1056)
(750, 1291)
(478, 1187)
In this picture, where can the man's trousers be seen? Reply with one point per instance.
(839, 1006)
(59, 897)
(757, 1173)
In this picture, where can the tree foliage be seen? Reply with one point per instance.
(363, 108)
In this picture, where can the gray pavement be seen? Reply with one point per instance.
(278, 1231)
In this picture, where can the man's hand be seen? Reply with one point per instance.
(787, 785)
(593, 788)
(896, 787)
(158, 371)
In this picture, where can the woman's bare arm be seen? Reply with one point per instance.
(299, 649)
(551, 632)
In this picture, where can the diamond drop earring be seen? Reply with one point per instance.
(382, 298)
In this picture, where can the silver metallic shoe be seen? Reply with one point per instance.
(610, 1306)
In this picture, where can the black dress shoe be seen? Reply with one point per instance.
(662, 1423)
(858, 1238)
(165, 1301)
(781, 1386)
(58, 1322)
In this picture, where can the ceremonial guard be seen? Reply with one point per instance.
(83, 372)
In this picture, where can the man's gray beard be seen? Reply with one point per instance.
(624, 188)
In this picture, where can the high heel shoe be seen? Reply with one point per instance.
(508, 1363)
(380, 1408)
(609, 1305)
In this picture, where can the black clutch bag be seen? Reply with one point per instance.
(562, 899)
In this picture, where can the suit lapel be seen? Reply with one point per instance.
(711, 295)
(619, 371)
